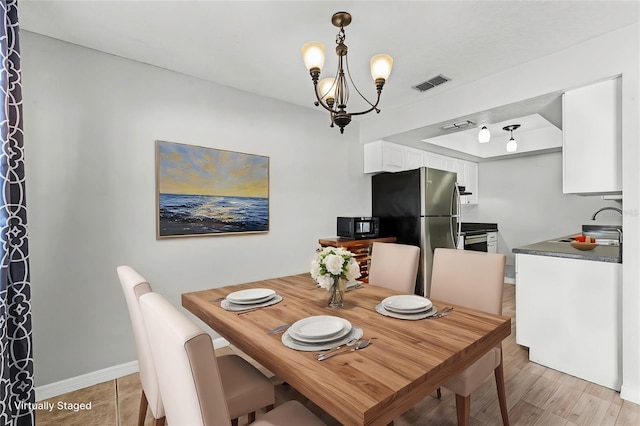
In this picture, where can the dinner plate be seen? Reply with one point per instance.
(340, 334)
(238, 307)
(319, 328)
(411, 316)
(405, 303)
(288, 341)
(251, 296)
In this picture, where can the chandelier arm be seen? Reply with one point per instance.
(373, 107)
(346, 60)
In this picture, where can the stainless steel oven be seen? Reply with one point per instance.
(476, 242)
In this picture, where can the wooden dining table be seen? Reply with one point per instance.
(406, 361)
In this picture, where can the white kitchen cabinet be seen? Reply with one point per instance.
(568, 312)
(468, 177)
(413, 158)
(383, 156)
(434, 161)
(591, 133)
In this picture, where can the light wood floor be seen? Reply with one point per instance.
(535, 395)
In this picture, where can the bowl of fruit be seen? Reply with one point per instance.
(583, 242)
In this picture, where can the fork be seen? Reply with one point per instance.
(444, 313)
(344, 345)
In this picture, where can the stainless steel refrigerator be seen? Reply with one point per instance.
(420, 207)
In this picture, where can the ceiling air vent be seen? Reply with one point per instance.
(431, 83)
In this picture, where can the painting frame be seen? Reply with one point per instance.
(203, 191)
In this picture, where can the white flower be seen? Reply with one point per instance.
(325, 281)
(353, 271)
(315, 268)
(333, 263)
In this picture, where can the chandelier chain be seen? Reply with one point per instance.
(340, 37)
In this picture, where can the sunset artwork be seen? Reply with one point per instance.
(207, 191)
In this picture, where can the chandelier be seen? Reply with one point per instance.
(332, 93)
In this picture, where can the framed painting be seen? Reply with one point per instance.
(205, 191)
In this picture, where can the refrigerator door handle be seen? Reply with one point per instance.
(456, 215)
(455, 242)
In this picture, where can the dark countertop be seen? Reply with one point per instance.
(601, 253)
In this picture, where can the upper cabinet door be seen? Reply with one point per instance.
(471, 182)
(383, 156)
(592, 129)
(412, 158)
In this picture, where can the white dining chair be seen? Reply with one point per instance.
(134, 286)
(246, 388)
(394, 266)
(190, 376)
(474, 280)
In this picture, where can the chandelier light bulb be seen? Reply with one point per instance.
(313, 55)
(327, 88)
(484, 135)
(381, 66)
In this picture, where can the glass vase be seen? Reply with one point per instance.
(336, 293)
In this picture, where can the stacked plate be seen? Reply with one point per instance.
(406, 306)
(250, 298)
(320, 332)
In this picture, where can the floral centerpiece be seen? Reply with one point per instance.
(332, 268)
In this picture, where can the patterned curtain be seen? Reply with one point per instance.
(16, 369)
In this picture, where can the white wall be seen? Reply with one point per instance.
(524, 196)
(90, 122)
(615, 53)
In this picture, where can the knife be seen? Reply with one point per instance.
(278, 329)
(360, 345)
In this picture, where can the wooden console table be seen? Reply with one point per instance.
(360, 248)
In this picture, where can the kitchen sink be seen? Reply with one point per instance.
(564, 240)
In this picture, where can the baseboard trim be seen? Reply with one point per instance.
(74, 383)
(630, 393)
(100, 376)
(509, 280)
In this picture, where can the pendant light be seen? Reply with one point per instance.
(484, 135)
(512, 145)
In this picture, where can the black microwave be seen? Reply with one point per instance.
(358, 227)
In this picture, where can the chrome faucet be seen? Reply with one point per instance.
(615, 209)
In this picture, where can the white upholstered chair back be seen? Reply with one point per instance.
(394, 266)
(469, 278)
(188, 373)
(134, 286)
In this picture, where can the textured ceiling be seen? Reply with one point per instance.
(255, 46)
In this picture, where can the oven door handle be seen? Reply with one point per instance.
(475, 239)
